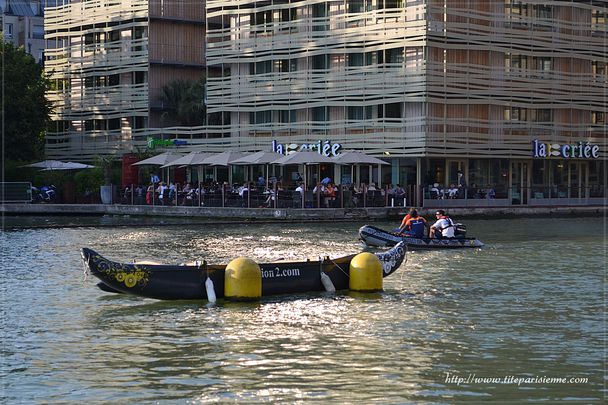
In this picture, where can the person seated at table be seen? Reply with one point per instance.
(436, 192)
(269, 200)
(300, 188)
(261, 180)
(453, 191)
(330, 195)
(490, 192)
(243, 189)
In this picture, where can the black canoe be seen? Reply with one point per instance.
(373, 236)
(187, 282)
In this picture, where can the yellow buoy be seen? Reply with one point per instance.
(365, 273)
(242, 280)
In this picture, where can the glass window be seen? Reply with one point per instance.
(320, 62)
(355, 6)
(319, 113)
(392, 110)
(355, 112)
(598, 117)
(355, 59)
(394, 56)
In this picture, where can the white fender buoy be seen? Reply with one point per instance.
(326, 281)
(210, 290)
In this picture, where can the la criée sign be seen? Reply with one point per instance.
(580, 150)
(323, 147)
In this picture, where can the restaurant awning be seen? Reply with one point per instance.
(257, 158)
(222, 159)
(192, 158)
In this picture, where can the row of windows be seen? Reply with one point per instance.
(138, 77)
(393, 56)
(114, 36)
(395, 110)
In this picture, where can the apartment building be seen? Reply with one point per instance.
(504, 94)
(434, 87)
(22, 24)
(109, 61)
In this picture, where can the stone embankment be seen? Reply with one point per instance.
(290, 214)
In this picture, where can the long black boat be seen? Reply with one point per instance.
(374, 236)
(187, 282)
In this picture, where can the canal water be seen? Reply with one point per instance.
(522, 319)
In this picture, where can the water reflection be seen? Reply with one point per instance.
(523, 306)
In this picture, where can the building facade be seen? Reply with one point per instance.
(109, 61)
(504, 95)
(435, 87)
(22, 24)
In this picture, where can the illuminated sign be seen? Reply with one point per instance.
(581, 150)
(153, 143)
(323, 147)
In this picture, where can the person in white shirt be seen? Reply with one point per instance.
(300, 188)
(443, 227)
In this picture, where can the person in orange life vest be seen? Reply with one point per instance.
(404, 221)
(415, 226)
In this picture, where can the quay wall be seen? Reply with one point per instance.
(291, 214)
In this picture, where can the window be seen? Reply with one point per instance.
(392, 110)
(319, 14)
(390, 4)
(355, 59)
(114, 36)
(516, 114)
(319, 113)
(355, 6)
(542, 11)
(541, 115)
(355, 112)
(598, 68)
(543, 64)
(287, 116)
(289, 14)
(598, 117)
(89, 39)
(8, 31)
(320, 62)
(138, 77)
(394, 56)
(261, 117)
(286, 65)
(114, 123)
(38, 32)
(114, 80)
(598, 20)
(259, 68)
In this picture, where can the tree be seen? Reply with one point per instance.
(25, 109)
(183, 102)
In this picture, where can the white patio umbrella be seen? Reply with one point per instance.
(69, 166)
(46, 164)
(353, 157)
(191, 158)
(223, 159)
(259, 158)
(159, 160)
(303, 158)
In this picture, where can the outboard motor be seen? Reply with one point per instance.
(460, 230)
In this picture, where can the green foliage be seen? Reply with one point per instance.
(107, 165)
(88, 181)
(183, 102)
(25, 109)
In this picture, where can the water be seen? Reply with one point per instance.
(530, 304)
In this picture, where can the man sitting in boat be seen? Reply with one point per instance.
(443, 227)
(414, 226)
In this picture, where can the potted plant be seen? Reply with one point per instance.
(106, 190)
